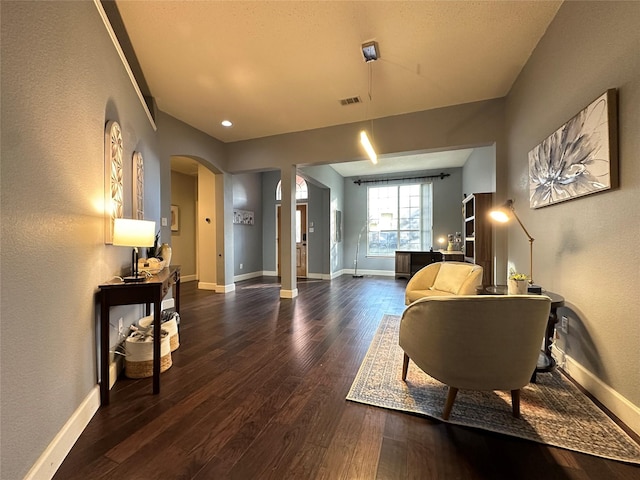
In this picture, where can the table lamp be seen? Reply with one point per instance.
(133, 233)
(503, 214)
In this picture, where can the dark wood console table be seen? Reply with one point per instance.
(116, 292)
(409, 262)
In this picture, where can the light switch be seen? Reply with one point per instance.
(164, 221)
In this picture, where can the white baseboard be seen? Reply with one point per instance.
(247, 276)
(269, 273)
(188, 278)
(225, 288)
(621, 407)
(115, 368)
(55, 453)
(288, 293)
(216, 288)
(377, 273)
(336, 274)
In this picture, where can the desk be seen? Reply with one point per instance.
(452, 255)
(116, 292)
(409, 262)
(546, 363)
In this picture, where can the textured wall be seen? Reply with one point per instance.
(247, 239)
(585, 249)
(184, 192)
(58, 91)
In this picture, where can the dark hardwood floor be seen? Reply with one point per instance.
(257, 391)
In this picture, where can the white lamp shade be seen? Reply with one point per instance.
(133, 233)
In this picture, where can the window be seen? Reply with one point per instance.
(399, 218)
(302, 193)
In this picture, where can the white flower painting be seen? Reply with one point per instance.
(579, 158)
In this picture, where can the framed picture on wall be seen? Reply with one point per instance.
(175, 218)
(578, 159)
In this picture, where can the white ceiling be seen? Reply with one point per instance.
(406, 163)
(275, 67)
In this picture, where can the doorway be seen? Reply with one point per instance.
(301, 240)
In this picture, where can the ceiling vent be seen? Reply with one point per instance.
(350, 101)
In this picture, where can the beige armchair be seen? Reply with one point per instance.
(480, 342)
(444, 279)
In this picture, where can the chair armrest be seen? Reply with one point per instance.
(473, 280)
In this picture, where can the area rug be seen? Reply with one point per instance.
(553, 410)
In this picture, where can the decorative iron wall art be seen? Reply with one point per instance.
(243, 217)
(113, 189)
(138, 186)
(579, 158)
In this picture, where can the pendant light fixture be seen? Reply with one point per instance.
(371, 54)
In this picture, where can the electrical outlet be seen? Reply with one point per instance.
(241, 265)
(121, 326)
(564, 324)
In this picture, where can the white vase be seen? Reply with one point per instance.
(517, 287)
(165, 253)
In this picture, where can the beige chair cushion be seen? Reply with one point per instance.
(451, 277)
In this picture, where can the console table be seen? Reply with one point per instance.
(409, 262)
(116, 292)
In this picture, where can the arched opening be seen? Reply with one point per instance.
(302, 194)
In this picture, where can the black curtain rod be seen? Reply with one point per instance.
(387, 180)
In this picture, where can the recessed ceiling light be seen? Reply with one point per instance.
(226, 123)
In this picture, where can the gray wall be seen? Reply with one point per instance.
(317, 213)
(585, 249)
(333, 185)
(184, 192)
(479, 173)
(247, 239)
(269, 182)
(447, 216)
(468, 125)
(61, 81)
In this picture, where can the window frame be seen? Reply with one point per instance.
(400, 203)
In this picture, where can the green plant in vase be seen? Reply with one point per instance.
(518, 283)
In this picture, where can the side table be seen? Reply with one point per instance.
(546, 363)
(116, 292)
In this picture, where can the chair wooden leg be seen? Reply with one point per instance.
(515, 402)
(405, 366)
(451, 397)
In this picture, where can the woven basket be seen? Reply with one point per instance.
(138, 361)
(170, 326)
(174, 339)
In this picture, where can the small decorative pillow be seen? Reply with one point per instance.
(451, 277)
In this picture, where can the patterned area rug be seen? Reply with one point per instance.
(553, 410)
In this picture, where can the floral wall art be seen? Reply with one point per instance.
(113, 189)
(138, 185)
(579, 158)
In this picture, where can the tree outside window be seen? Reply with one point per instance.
(399, 218)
